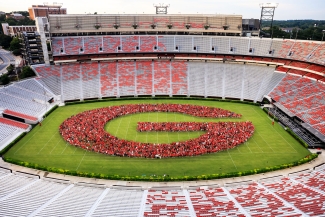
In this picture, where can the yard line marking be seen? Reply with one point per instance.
(33, 135)
(136, 134)
(81, 160)
(54, 147)
(265, 141)
(46, 143)
(66, 145)
(278, 133)
(231, 159)
(257, 144)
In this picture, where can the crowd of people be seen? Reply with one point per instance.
(86, 130)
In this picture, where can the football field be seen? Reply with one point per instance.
(269, 145)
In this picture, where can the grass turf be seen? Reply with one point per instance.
(269, 146)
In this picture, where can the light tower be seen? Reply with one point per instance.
(267, 14)
(161, 8)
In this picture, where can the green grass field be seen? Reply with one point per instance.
(269, 146)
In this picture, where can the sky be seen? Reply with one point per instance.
(286, 10)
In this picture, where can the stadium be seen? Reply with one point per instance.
(193, 73)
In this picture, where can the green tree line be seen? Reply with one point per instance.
(302, 29)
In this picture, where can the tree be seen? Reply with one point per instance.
(10, 68)
(26, 72)
(15, 46)
(2, 18)
(5, 41)
(11, 21)
(4, 79)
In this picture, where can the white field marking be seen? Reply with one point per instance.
(32, 136)
(176, 121)
(66, 145)
(147, 131)
(278, 133)
(265, 141)
(257, 145)
(136, 135)
(54, 147)
(81, 160)
(118, 127)
(46, 143)
(127, 129)
(247, 143)
(75, 150)
(157, 131)
(231, 159)
(166, 118)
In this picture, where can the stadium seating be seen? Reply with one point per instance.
(162, 78)
(91, 45)
(299, 194)
(126, 78)
(108, 79)
(316, 68)
(299, 64)
(166, 202)
(19, 115)
(71, 82)
(51, 76)
(318, 55)
(118, 201)
(262, 48)
(179, 78)
(144, 77)
(213, 201)
(314, 179)
(306, 199)
(130, 43)
(297, 72)
(111, 44)
(302, 49)
(73, 45)
(8, 133)
(90, 79)
(258, 201)
(14, 123)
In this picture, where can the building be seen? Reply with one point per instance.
(15, 16)
(34, 43)
(14, 30)
(251, 27)
(45, 10)
(290, 30)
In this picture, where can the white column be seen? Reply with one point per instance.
(153, 78)
(81, 88)
(170, 79)
(99, 82)
(243, 83)
(135, 79)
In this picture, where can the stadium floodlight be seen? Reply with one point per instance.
(267, 14)
(270, 5)
(312, 37)
(161, 8)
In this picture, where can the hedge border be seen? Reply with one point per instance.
(155, 178)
